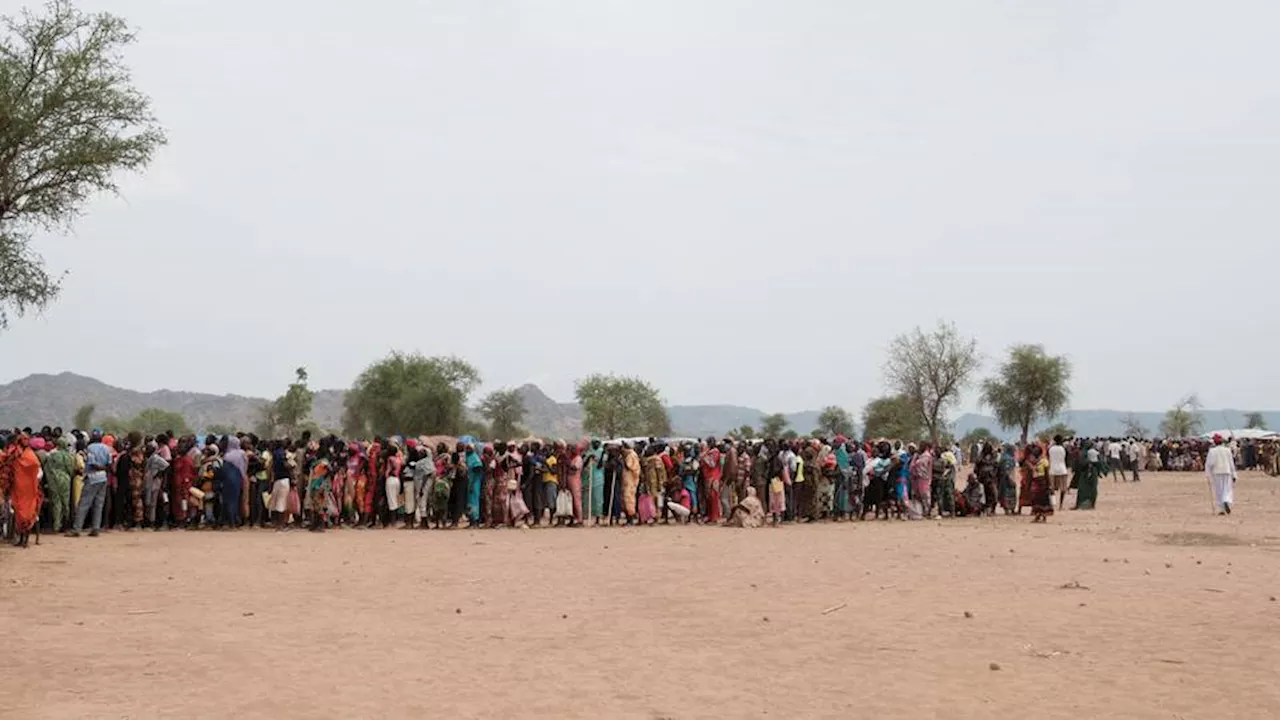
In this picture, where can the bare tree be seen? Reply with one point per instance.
(931, 370)
(1133, 426)
(1183, 420)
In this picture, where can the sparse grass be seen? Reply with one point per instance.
(1198, 539)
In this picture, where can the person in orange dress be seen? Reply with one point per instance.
(25, 493)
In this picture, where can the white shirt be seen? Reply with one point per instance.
(1057, 460)
(1134, 451)
(1114, 451)
(1219, 461)
(1093, 455)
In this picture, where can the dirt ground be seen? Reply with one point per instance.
(1149, 607)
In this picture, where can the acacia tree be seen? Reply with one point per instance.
(617, 406)
(931, 370)
(505, 411)
(772, 426)
(1133, 426)
(1054, 430)
(294, 407)
(745, 432)
(834, 421)
(1255, 421)
(148, 421)
(1183, 419)
(1030, 385)
(892, 416)
(70, 121)
(410, 394)
(976, 435)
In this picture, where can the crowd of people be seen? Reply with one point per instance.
(90, 480)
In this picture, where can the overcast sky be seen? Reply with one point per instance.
(742, 201)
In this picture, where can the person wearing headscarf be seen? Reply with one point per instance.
(231, 480)
(1038, 485)
(59, 467)
(184, 474)
(24, 493)
(154, 468)
(1087, 471)
(136, 474)
(748, 512)
(391, 480)
(441, 487)
(760, 473)
(510, 466)
(827, 478)
(878, 496)
(613, 482)
(630, 481)
(593, 476)
(424, 474)
(708, 502)
(840, 504)
(944, 469)
(318, 488)
(461, 484)
(573, 480)
(475, 484)
(1008, 488)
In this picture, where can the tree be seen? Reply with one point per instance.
(410, 394)
(70, 120)
(1030, 385)
(84, 417)
(1133, 426)
(1183, 419)
(745, 432)
(616, 406)
(893, 416)
(834, 421)
(148, 421)
(976, 435)
(220, 430)
(294, 407)
(1056, 429)
(505, 411)
(1255, 421)
(772, 426)
(931, 370)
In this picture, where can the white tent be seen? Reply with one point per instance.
(1244, 434)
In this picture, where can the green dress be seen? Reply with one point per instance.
(1086, 479)
(59, 467)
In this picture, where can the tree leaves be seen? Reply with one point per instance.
(834, 421)
(1028, 386)
(410, 394)
(505, 411)
(615, 406)
(895, 417)
(773, 426)
(70, 120)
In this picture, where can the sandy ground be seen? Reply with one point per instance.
(667, 622)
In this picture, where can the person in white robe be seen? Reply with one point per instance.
(1220, 466)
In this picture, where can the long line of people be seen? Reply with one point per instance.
(94, 480)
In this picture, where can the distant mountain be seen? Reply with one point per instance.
(1107, 423)
(54, 399)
